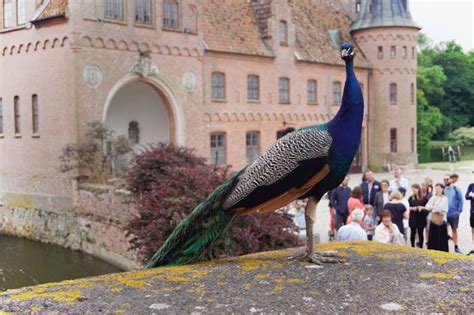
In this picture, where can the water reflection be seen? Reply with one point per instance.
(24, 263)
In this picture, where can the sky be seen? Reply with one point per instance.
(444, 20)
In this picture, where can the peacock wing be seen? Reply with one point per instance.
(289, 168)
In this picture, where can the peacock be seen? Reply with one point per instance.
(305, 163)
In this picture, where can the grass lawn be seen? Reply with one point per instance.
(463, 166)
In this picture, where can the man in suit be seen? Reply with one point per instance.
(381, 198)
(369, 188)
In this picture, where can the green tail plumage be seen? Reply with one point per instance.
(194, 236)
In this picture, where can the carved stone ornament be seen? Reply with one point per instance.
(93, 76)
(189, 81)
(145, 67)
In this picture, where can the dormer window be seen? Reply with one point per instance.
(358, 6)
(283, 33)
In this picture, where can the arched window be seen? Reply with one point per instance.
(412, 93)
(405, 52)
(253, 87)
(393, 140)
(312, 92)
(283, 32)
(393, 93)
(393, 52)
(336, 93)
(133, 132)
(143, 11)
(218, 148)
(170, 14)
(16, 113)
(284, 90)
(380, 52)
(218, 85)
(35, 114)
(252, 145)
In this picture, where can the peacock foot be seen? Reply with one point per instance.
(319, 257)
(326, 257)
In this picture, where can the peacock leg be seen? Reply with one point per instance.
(312, 256)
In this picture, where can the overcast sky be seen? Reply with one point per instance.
(443, 20)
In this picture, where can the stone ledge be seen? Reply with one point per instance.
(377, 278)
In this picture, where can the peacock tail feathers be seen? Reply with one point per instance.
(195, 235)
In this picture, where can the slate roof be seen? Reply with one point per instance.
(383, 13)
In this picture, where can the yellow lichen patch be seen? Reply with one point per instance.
(120, 312)
(278, 288)
(261, 276)
(38, 293)
(116, 290)
(464, 290)
(384, 251)
(247, 286)
(438, 275)
(4, 313)
(35, 309)
(252, 264)
(84, 285)
(294, 280)
(455, 302)
(198, 291)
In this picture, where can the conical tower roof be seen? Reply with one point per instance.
(383, 13)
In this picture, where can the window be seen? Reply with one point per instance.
(358, 6)
(284, 90)
(143, 11)
(412, 140)
(405, 52)
(393, 51)
(413, 53)
(218, 85)
(1, 115)
(35, 112)
(7, 13)
(133, 132)
(21, 11)
(16, 113)
(393, 140)
(380, 52)
(170, 14)
(283, 33)
(113, 9)
(393, 93)
(336, 92)
(312, 91)
(412, 93)
(218, 148)
(253, 88)
(252, 145)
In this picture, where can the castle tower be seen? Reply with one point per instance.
(387, 34)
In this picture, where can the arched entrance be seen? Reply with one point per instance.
(139, 112)
(145, 109)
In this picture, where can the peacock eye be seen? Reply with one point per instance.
(205, 223)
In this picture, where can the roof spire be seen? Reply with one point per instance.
(383, 13)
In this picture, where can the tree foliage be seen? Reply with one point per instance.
(169, 181)
(464, 136)
(446, 78)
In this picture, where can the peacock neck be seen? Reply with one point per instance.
(346, 126)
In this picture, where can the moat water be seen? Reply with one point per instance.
(26, 263)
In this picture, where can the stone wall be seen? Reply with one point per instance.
(94, 222)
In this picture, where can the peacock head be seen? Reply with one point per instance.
(347, 51)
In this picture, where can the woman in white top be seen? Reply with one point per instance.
(438, 203)
(438, 231)
(387, 232)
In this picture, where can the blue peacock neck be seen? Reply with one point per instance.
(346, 126)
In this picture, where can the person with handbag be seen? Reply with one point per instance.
(438, 227)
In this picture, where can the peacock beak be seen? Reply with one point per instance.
(347, 52)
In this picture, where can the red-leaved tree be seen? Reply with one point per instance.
(169, 181)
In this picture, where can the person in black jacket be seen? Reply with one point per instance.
(381, 198)
(369, 188)
(418, 214)
(339, 197)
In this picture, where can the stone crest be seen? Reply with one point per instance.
(189, 81)
(145, 67)
(93, 76)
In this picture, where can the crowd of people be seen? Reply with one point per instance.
(381, 211)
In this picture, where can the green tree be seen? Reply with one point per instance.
(429, 120)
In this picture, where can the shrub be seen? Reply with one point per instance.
(169, 181)
(463, 136)
(98, 155)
